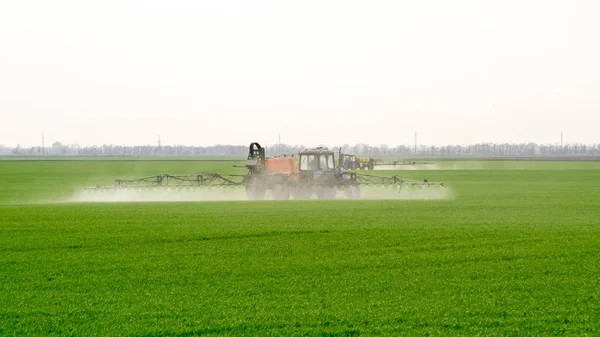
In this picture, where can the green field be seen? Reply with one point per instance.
(515, 251)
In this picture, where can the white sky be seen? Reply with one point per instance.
(318, 72)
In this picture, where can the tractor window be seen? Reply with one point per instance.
(330, 162)
(309, 163)
(323, 162)
(314, 162)
(326, 162)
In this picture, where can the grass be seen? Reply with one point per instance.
(515, 252)
(39, 181)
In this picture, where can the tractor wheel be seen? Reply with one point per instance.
(255, 191)
(356, 192)
(302, 193)
(250, 192)
(326, 193)
(353, 192)
(259, 193)
(281, 192)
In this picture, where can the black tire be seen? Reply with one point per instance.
(250, 192)
(255, 189)
(255, 192)
(259, 193)
(349, 192)
(301, 193)
(326, 193)
(352, 192)
(281, 192)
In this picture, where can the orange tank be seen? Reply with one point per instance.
(282, 165)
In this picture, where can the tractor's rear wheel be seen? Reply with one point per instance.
(302, 193)
(259, 193)
(326, 193)
(255, 190)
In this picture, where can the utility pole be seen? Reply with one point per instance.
(562, 149)
(42, 143)
(158, 141)
(279, 139)
(415, 143)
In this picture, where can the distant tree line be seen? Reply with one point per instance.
(483, 149)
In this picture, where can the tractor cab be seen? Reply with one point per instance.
(317, 174)
(319, 159)
(349, 162)
(320, 173)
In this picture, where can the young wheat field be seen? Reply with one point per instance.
(513, 250)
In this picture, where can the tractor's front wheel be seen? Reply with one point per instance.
(352, 192)
(281, 192)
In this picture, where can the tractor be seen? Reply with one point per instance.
(366, 163)
(310, 172)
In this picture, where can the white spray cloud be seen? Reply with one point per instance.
(238, 194)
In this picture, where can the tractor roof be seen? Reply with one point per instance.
(317, 150)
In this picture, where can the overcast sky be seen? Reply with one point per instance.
(316, 72)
